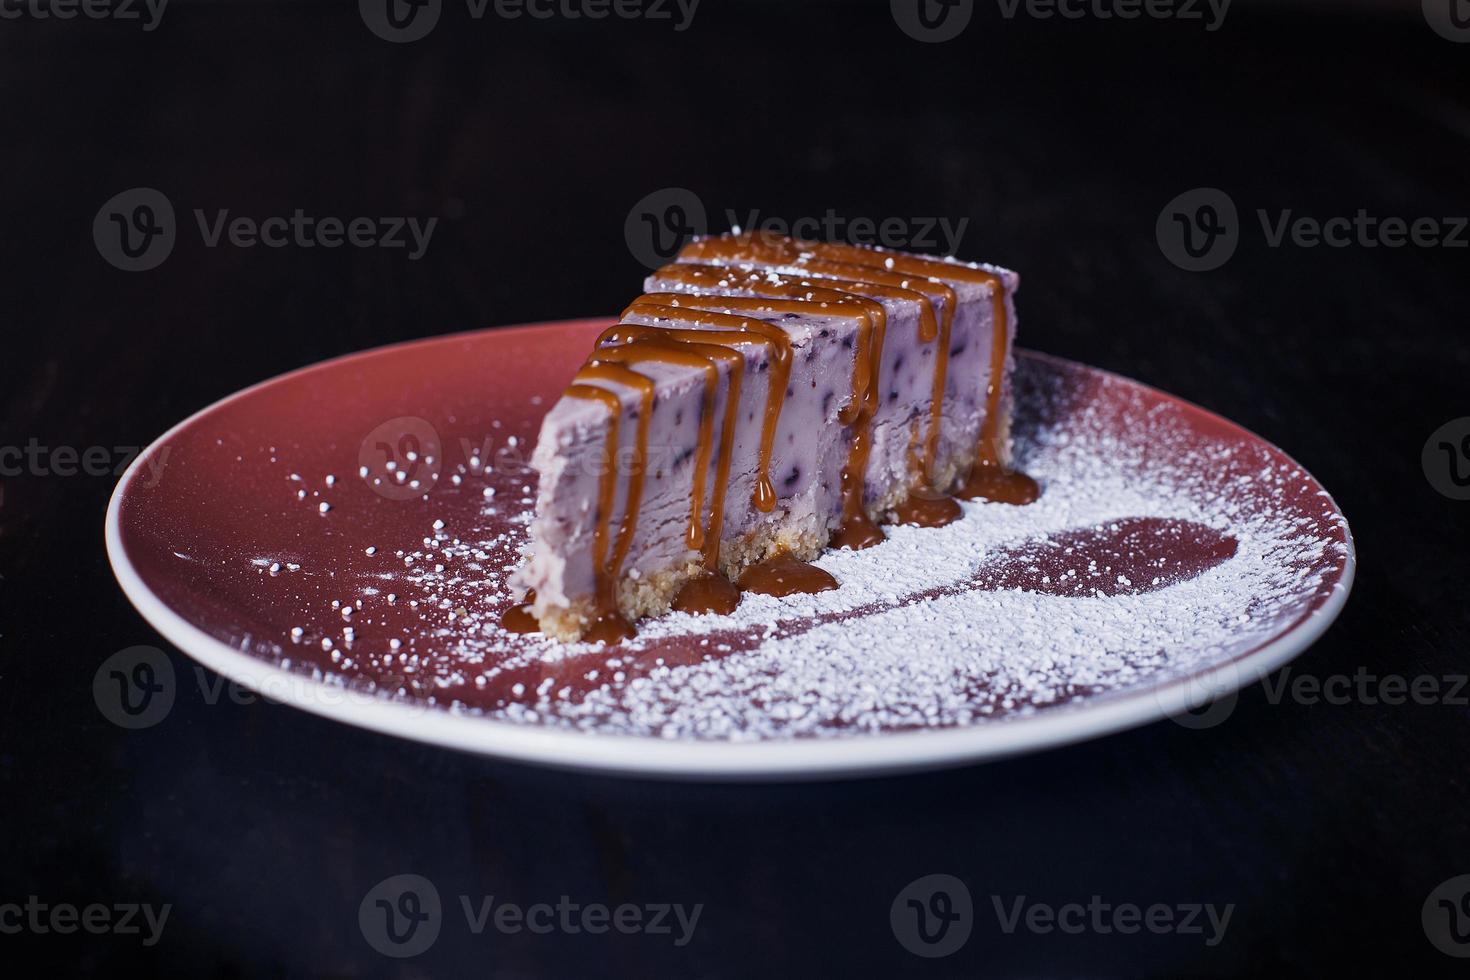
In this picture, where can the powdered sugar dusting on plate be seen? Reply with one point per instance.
(929, 630)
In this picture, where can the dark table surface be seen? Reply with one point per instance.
(1325, 826)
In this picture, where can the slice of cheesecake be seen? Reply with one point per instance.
(766, 398)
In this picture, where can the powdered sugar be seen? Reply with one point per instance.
(912, 638)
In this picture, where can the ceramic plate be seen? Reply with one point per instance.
(339, 539)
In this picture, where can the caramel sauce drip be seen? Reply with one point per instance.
(653, 348)
(710, 345)
(609, 626)
(923, 507)
(856, 530)
(840, 280)
(999, 485)
(925, 510)
(710, 593)
(803, 302)
(519, 619)
(779, 358)
(863, 266)
(936, 323)
(783, 575)
(989, 478)
(639, 343)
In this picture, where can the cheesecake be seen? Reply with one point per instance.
(763, 400)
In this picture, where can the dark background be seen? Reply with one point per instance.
(1326, 825)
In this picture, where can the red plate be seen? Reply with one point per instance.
(218, 535)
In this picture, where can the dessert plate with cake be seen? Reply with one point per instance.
(801, 510)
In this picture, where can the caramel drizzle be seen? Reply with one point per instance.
(989, 452)
(856, 530)
(936, 319)
(782, 575)
(934, 324)
(607, 571)
(710, 346)
(803, 302)
(778, 353)
(846, 276)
